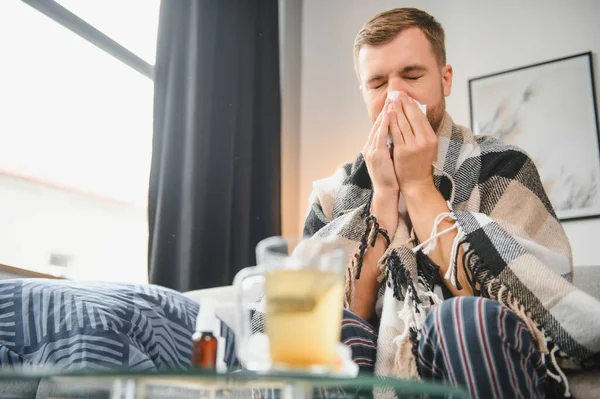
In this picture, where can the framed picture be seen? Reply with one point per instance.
(548, 110)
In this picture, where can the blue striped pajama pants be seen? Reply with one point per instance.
(483, 346)
(473, 342)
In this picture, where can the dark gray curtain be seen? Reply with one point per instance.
(215, 175)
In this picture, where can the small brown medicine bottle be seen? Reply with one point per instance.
(204, 350)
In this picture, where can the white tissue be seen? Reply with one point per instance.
(392, 95)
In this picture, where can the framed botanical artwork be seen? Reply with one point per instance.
(550, 111)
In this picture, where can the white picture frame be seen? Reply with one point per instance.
(549, 110)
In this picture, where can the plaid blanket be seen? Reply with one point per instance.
(514, 248)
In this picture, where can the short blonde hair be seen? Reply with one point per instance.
(384, 27)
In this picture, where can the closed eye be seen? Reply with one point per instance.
(414, 77)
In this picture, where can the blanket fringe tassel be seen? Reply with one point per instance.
(405, 360)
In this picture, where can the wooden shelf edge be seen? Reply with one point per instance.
(26, 272)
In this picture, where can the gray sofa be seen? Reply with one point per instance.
(587, 384)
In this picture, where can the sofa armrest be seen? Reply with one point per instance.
(221, 295)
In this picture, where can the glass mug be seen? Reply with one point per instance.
(303, 303)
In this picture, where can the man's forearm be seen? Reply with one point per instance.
(385, 208)
(424, 205)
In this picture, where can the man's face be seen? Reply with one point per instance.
(407, 64)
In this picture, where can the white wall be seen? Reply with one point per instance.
(481, 38)
(106, 239)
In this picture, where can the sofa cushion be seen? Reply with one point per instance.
(587, 278)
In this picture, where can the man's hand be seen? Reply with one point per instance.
(415, 145)
(415, 150)
(384, 207)
(377, 155)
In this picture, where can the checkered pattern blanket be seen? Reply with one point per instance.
(514, 247)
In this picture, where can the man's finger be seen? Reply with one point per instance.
(413, 114)
(384, 128)
(397, 137)
(403, 123)
(373, 132)
(375, 127)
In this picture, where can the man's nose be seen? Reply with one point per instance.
(397, 85)
(397, 91)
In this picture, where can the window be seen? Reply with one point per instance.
(131, 23)
(75, 141)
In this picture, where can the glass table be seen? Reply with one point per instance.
(194, 383)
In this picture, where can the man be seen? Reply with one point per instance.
(443, 214)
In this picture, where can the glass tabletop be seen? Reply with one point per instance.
(197, 383)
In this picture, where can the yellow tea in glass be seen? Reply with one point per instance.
(303, 315)
(303, 302)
